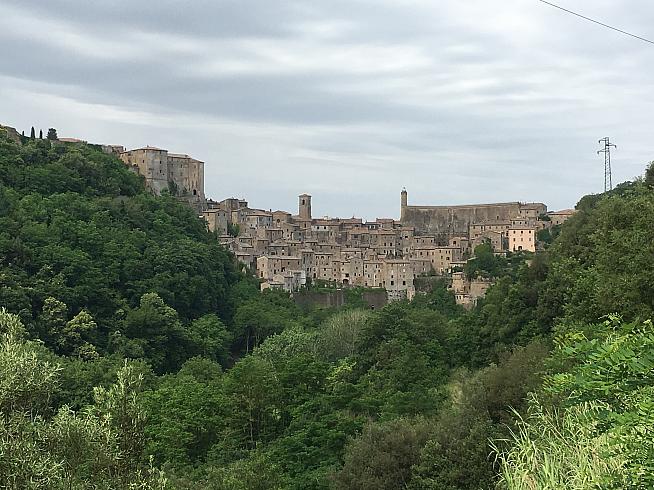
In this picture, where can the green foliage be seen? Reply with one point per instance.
(100, 446)
(402, 361)
(602, 379)
(231, 388)
(72, 339)
(339, 335)
(649, 175)
(456, 456)
(547, 235)
(78, 226)
(484, 263)
(255, 472)
(210, 338)
(603, 260)
(26, 383)
(439, 299)
(265, 315)
(186, 414)
(157, 333)
(549, 449)
(383, 455)
(614, 371)
(233, 229)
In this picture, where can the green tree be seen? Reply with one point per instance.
(383, 455)
(339, 335)
(158, 331)
(72, 339)
(186, 415)
(255, 472)
(258, 318)
(253, 405)
(456, 456)
(649, 175)
(209, 338)
(233, 229)
(484, 262)
(52, 134)
(100, 446)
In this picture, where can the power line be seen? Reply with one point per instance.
(596, 21)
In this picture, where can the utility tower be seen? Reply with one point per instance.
(606, 143)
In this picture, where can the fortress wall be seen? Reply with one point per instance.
(439, 220)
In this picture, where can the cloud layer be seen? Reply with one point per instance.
(348, 100)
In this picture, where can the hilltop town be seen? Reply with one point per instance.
(292, 251)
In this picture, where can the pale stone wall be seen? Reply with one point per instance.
(159, 168)
(456, 220)
(152, 164)
(216, 220)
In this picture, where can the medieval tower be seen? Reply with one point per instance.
(403, 204)
(304, 207)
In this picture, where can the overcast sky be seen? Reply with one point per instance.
(460, 101)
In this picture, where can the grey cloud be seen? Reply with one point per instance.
(459, 101)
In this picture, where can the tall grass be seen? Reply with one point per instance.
(556, 449)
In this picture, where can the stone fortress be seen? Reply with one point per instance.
(180, 174)
(289, 251)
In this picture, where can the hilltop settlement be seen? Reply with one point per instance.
(292, 251)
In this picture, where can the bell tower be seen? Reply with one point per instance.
(404, 202)
(304, 207)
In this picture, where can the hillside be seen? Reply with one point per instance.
(204, 382)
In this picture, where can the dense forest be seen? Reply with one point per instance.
(135, 353)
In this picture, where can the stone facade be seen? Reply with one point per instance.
(180, 174)
(453, 220)
(467, 292)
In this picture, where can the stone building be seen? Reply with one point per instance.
(179, 174)
(522, 238)
(467, 292)
(560, 217)
(456, 220)
(216, 220)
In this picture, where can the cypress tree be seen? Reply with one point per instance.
(40, 134)
(32, 134)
